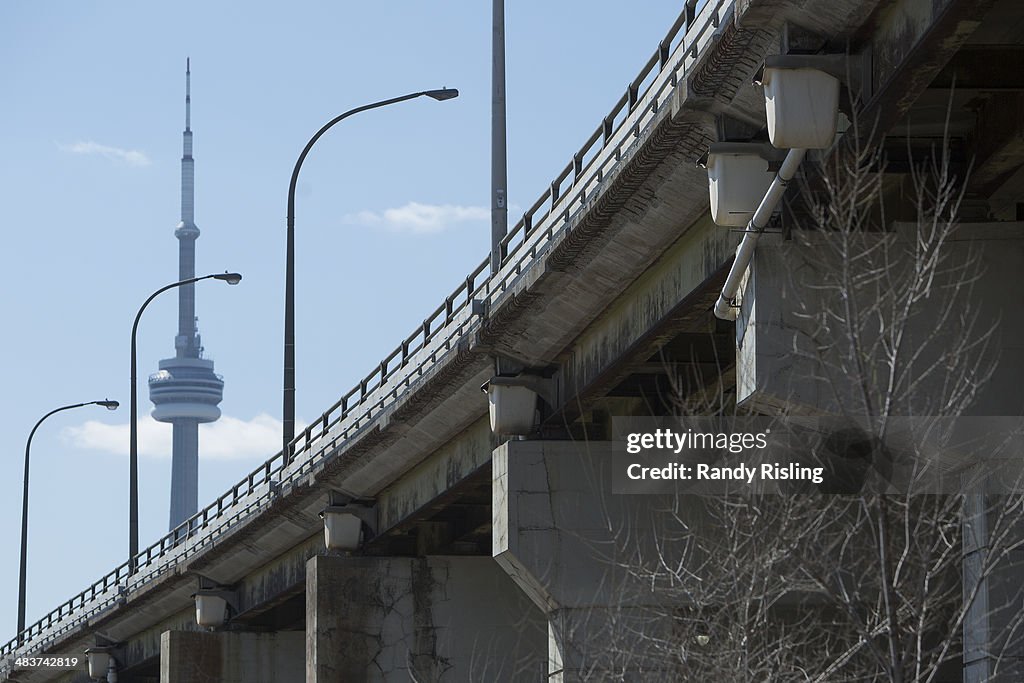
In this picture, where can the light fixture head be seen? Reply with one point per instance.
(512, 405)
(443, 94)
(98, 659)
(801, 100)
(108, 404)
(739, 174)
(343, 530)
(230, 278)
(211, 607)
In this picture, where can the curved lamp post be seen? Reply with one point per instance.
(109, 405)
(288, 421)
(133, 454)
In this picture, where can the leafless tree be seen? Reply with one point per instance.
(872, 583)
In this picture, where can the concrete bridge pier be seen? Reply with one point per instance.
(572, 547)
(782, 368)
(421, 619)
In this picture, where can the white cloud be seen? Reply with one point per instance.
(229, 438)
(132, 157)
(420, 218)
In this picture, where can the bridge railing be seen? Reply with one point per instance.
(438, 335)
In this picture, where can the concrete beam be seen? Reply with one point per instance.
(998, 141)
(441, 471)
(911, 42)
(988, 68)
(671, 297)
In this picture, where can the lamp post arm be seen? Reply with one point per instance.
(288, 417)
(24, 514)
(326, 127)
(133, 438)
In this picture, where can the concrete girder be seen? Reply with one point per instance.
(671, 297)
(998, 141)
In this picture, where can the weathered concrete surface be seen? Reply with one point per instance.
(229, 657)
(446, 467)
(659, 298)
(802, 350)
(145, 646)
(993, 642)
(570, 545)
(423, 619)
(911, 40)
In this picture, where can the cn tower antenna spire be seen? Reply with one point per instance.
(188, 168)
(188, 94)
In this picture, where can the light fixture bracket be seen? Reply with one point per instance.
(363, 508)
(853, 71)
(538, 384)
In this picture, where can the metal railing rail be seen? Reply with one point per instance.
(437, 336)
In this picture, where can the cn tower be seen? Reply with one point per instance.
(186, 391)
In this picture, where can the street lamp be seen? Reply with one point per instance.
(288, 421)
(133, 454)
(109, 405)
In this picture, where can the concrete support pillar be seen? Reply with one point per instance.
(423, 619)
(567, 542)
(231, 657)
(994, 627)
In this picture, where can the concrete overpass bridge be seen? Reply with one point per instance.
(476, 557)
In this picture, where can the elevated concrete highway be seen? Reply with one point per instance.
(604, 297)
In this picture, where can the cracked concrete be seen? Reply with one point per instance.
(567, 543)
(418, 619)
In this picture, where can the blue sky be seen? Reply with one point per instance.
(391, 215)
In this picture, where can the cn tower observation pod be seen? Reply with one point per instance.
(186, 389)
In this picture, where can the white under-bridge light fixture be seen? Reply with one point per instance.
(801, 96)
(100, 661)
(512, 401)
(343, 530)
(739, 174)
(212, 606)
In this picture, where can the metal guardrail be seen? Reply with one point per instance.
(439, 334)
